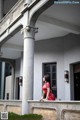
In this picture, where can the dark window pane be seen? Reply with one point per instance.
(53, 68)
(53, 83)
(47, 68)
(8, 69)
(53, 75)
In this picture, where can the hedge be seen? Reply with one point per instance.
(13, 116)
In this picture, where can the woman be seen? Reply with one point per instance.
(47, 93)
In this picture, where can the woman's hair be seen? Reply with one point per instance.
(47, 78)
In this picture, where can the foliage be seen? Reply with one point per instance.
(13, 116)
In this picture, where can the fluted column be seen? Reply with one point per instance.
(28, 67)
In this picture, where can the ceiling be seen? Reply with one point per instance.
(65, 12)
(58, 20)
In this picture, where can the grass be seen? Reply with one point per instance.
(13, 116)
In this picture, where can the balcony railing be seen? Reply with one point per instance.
(12, 16)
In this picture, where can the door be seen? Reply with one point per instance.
(77, 86)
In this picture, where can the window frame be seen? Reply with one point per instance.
(43, 72)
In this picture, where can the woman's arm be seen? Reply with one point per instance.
(43, 95)
(47, 95)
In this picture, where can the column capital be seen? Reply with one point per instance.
(29, 32)
(30, 29)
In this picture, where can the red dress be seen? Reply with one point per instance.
(51, 95)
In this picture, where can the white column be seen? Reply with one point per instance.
(2, 80)
(28, 67)
(12, 84)
(1, 9)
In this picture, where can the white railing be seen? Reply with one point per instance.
(12, 16)
(56, 110)
(11, 106)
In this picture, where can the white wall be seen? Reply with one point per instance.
(17, 74)
(8, 87)
(49, 51)
(71, 55)
(64, 51)
(21, 65)
(17, 67)
(21, 74)
(19, 71)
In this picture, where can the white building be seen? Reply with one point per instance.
(55, 49)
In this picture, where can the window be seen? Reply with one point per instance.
(50, 68)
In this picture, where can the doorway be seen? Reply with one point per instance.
(77, 86)
(76, 78)
(17, 88)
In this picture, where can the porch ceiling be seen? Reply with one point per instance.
(58, 20)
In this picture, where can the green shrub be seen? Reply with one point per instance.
(13, 116)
